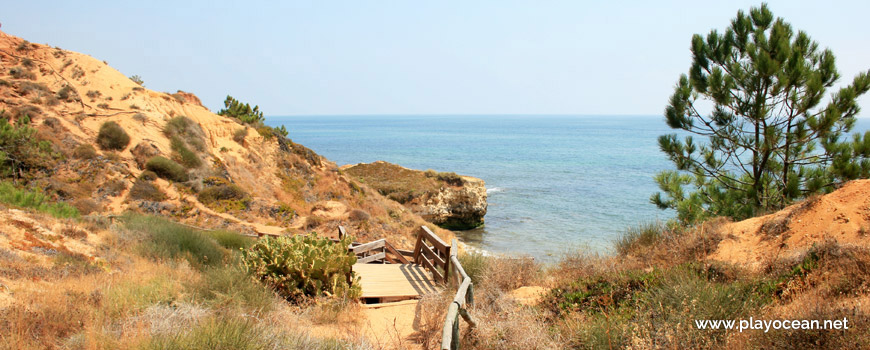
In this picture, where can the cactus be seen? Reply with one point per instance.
(304, 266)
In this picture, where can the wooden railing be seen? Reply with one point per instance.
(380, 251)
(433, 253)
(464, 297)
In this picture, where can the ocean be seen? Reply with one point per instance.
(555, 183)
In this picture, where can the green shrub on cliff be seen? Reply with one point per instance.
(167, 169)
(304, 266)
(112, 137)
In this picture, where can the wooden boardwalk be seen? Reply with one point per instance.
(393, 282)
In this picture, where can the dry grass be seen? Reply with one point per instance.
(133, 301)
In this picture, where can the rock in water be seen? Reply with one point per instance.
(448, 200)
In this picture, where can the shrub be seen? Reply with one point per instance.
(184, 155)
(145, 190)
(85, 151)
(114, 187)
(148, 175)
(304, 266)
(140, 117)
(239, 135)
(20, 151)
(21, 73)
(359, 215)
(223, 193)
(66, 93)
(27, 87)
(167, 169)
(636, 237)
(137, 79)
(25, 198)
(112, 137)
(93, 94)
(187, 130)
(266, 132)
(168, 240)
(86, 206)
(450, 178)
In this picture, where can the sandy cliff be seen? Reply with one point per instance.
(288, 188)
(842, 216)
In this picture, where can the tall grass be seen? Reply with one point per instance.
(25, 198)
(229, 286)
(230, 239)
(237, 333)
(168, 240)
(640, 236)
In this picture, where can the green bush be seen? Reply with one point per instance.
(224, 197)
(187, 157)
(85, 151)
(186, 130)
(167, 169)
(25, 198)
(145, 190)
(112, 137)
(168, 240)
(21, 152)
(304, 266)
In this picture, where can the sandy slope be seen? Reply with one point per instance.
(842, 216)
(276, 175)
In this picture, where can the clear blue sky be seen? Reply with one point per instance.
(418, 57)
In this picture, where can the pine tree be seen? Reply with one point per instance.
(244, 112)
(755, 97)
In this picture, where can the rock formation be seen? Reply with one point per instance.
(448, 200)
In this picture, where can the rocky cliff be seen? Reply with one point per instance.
(446, 199)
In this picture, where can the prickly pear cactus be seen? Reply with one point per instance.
(304, 266)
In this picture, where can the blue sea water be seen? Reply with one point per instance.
(554, 183)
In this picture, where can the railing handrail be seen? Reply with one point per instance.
(438, 255)
(464, 296)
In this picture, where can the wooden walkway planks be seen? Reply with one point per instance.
(394, 281)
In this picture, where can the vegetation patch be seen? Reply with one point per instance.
(112, 137)
(21, 152)
(393, 181)
(146, 190)
(167, 169)
(25, 198)
(184, 155)
(85, 151)
(223, 196)
(304, 266)
(168, 240)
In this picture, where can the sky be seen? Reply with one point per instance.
(418, 57)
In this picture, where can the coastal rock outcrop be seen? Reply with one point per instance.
(448, 200)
